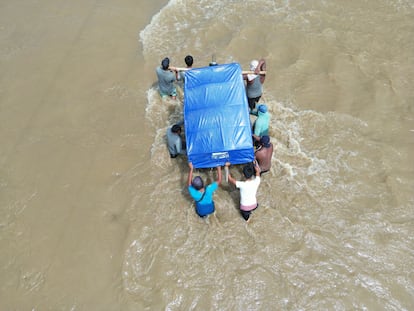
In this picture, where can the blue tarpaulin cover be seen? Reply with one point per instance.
(216, 117)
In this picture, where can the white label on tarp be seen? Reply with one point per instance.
(220, 155)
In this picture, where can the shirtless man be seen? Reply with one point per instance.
(264, 154)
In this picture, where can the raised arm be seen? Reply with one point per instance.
(257, 168)
(190, 174)
(219, 175)
(175, 70)
(261, 67)
(231, 179)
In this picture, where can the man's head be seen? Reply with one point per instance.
(189, 60)
(197, 183)
(265, 141)
(165, 63)
(176, 129)
(248, 170)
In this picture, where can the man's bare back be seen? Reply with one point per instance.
(264, 156)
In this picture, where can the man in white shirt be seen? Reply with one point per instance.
(248, 188)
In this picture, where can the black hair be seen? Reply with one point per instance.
(197, 183)
(165, 63)
(189, 60)
(248, 170)
(176, 128)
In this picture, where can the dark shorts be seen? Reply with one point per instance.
(246, 214)
(252, 102)
(203, 210)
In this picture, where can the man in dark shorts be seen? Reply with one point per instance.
(254, 82)
(248, 188)
(202, 195)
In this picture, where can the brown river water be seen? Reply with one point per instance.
(94, 215)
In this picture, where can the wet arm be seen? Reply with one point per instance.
(190, 174)
(257, 168)
(175, 71)
(219, 175)
(262, 67)
(231, 179)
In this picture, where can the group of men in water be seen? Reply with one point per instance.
(201, 193)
